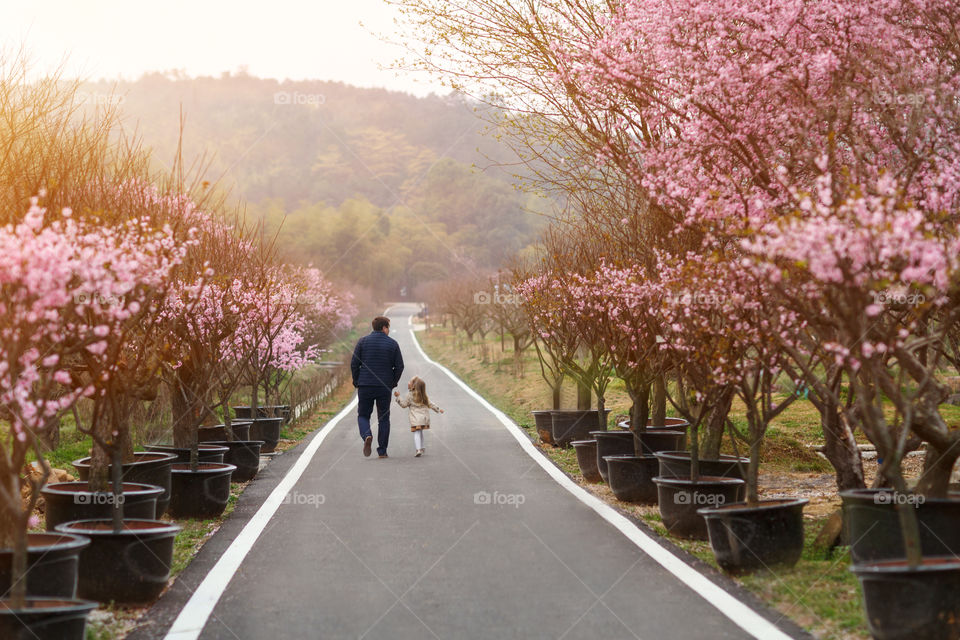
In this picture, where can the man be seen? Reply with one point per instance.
(376, 367)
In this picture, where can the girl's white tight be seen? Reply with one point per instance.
(418, 439)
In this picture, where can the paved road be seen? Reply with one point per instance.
(403, 548)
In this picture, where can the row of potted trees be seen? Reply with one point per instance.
(776, 231)
(114, 282)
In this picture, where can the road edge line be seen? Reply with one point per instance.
(740, 613)
(193, 617)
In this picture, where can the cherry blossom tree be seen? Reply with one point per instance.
(143, 238)
(66, 286)
(826, 126)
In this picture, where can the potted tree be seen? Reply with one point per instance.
(552, 347)
(41, 270)
(588, 364)
(128, 560)
(622, 311)
(202, 318)
(755, 534)
(692, 339)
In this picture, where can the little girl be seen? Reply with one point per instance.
(419, 408)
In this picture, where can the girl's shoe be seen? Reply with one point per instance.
(419, 453)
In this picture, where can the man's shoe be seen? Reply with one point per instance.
(383, 455)
(366, 445)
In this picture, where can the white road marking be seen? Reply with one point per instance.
(739, 613)
(194, 615)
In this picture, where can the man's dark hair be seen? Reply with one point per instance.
(380, 322)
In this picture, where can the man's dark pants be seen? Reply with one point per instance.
(366, 397)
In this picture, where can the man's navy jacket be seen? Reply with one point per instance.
(376, 361)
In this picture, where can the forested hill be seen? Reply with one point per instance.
(376, 187)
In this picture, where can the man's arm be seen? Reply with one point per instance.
(397, 366)
(355, 361)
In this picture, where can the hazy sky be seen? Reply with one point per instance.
(295, 39)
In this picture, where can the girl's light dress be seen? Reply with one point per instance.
(419, 413)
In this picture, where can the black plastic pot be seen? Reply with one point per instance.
(908, 604)
(569, 425)
(267, 430)
(873, 527)
(218, 432)
(631, 478)
(69, 501)
(206, 452)
(544, 423)
(612, 443)
(675, 424)
(200, 493)
(745, 539)
(148, 467)
(132, 566)
(676, 464)
(52, 560)
(680, 498)
(655, 440)
(267, 411)
(45, 619)
(245, 456)
(587, 459)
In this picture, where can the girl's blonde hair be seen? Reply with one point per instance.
(419, 391)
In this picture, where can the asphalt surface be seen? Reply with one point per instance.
(473, 540)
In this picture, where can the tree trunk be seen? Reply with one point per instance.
(18, 570)
(659, 400)
(117, 481)
(716, 423)
(254, 392)
(937, 468)
(556, 397)
(583, 396)
(183, 433)
(50, 437)
(639, 412)
(753, 470)
(840, 448)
